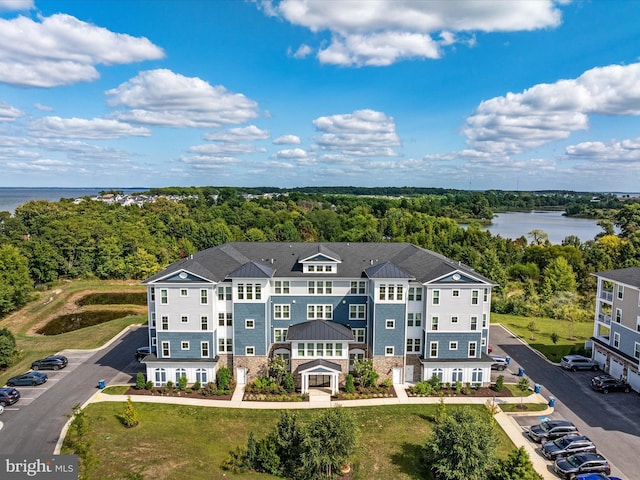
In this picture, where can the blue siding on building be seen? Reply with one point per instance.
(443, 339)
(255, 337)
(194, 339)
(385, 337)
(627, 338)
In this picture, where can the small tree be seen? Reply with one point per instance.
(517, 466)
(364, 374)
(499, 383)
(349, 386)
(182, 382)
(278, 369)
(223, 378)
(523, 387)
(130, 415)
(554, 338)
(140, 381)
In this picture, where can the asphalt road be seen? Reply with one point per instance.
(33, 424)
(610, 421)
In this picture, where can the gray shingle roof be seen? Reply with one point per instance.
(217, 263)
(629, 276)
(319, 363)
(386, 270)
(252, 270)
(319, 330)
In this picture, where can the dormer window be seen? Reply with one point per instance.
(319, 268)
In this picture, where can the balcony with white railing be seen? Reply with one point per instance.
(606, 295)
(606, 319)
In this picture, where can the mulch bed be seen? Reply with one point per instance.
(478, 392)
(171, 393)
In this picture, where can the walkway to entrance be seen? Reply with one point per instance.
(320, 395)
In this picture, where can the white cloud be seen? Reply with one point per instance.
(226, 149)
(9, 113)
(615, 151)
(16, 5)
(381, 32)
(303, 51)
(42, 108)
(362, 133)
(292, 154)
(96, 128)
(62, 50)
(164, 98)
(545, 113)
(287, 140)
(246, 134)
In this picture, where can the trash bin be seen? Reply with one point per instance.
(536, 388)
(552, 402)
(508, 359)
(101, 384)
(521, 372)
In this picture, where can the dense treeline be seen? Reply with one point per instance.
(44, 241)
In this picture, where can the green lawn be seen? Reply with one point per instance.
(570, 336)
(183, 442)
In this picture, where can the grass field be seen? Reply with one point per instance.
(175, 442)
(570, 336)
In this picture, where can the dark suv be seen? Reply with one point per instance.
(9, 396)
(142, 352)
(607, 383)
(551, 430)
(54, 362)
(567, 445)
(572, 465)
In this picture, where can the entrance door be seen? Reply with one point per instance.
(242, 376)
(319, 381)
(397, 376)
(408, 373)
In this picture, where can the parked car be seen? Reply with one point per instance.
(607, 383)
(54, 362)
(142, 352)
(9, 396)
(578, 362)
(569, 467)
(567, 445)
(29, 378)
(499, 362)
(551, 430)
(595, 476)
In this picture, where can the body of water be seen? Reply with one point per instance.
(554, 224)
(11, 197)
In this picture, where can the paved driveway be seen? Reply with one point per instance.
(32, 425)
(611, 421)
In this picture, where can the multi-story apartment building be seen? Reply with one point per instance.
(616, 331)
(322, 307)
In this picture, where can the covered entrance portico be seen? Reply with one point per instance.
(320, 373)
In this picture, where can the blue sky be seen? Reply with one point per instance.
(466, 94)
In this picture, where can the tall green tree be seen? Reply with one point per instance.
(559, 276)
(15, 283)
(7, 348)
(462, 446)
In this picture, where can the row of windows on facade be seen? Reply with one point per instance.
(636, 345)
(253, 291)
(323, 349)
(322, 312)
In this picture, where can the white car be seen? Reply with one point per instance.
(499, 362)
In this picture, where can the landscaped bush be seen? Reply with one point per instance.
(182, 382)
(349, 386)
(140, 381)
(223, 378)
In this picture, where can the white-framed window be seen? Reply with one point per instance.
(483, 342)
(319, 287)
(474, 297)
(476, 375)
(281, 287)
(249, 291)
(485, 297)
(225, 318)
(282, 312)
(433, 350)
(225, 293)
(164, 298)
(184, 345)
(249, 351)
(438, 373)
(184, 318)
(455, 293)
(388, 351)
(390, 291)
(165, 322)
(413, 345)
(620, 292)
(456, 375)
(474, 323)
(204, 349)
(358, 288)
(152, 294)
(357, 312)
(414, 319)
(358, 335)
(204, 296)
(435, 298)
(320, 349)
(454, 319)
(154, 341)
(484, 320)
(473, 347)
(323, 312)
(355, 355)
(201, 375)
(415, 294)
(225, 345)
(166, 349)
(161, 377)
(153, 319)
(204, 323)
(280, 334)
(638, 323)
(618, 315)
(636, 350)
(184, 292)
(389, 323)
(453, 345)
(180, 372)
(249, 323)
(434, 323)
(616, 340)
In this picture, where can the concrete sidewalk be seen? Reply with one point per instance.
(320, 399)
